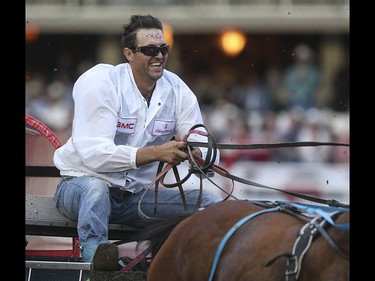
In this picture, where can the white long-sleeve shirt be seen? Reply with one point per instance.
(112, 120)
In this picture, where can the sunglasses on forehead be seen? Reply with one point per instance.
(152, 51)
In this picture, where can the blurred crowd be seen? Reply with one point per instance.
(281, 106)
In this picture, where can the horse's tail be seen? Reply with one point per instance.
(157, 231)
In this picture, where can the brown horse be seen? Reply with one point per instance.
(185, 248)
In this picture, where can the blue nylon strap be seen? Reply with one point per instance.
(230, 233)
(319, 211)
(305, 205)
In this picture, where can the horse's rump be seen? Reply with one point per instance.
(192, 240)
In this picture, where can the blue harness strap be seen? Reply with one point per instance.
(230, 233)
(321, 211)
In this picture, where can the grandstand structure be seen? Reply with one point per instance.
(191, 16)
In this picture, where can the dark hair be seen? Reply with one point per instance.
(128, 38)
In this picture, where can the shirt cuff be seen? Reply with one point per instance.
(133, 157)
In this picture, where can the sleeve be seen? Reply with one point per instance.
(189, 115)
(95, 123)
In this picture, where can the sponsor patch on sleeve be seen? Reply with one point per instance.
(126, 125)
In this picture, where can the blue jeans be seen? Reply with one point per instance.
(93, 204)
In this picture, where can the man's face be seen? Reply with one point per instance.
(148, 66)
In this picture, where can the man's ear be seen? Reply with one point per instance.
(128, 54)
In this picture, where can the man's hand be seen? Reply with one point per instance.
(173, 152)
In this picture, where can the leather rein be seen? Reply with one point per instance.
(203, 168)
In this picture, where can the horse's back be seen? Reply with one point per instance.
(189, 251)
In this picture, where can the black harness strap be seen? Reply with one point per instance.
(268, 145)
(328, 238)
(302, 244)
(305, 237)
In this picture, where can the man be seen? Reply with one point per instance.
(125, 118)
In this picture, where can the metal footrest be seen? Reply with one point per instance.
(57, 270)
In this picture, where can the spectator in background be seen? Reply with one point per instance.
(314, 129)
(275, 88)
(302, 79)
(242, 132)
(57, 112)
(36, 93)
(289, 123)
(255, 96)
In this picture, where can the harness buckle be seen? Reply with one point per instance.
(209, 173)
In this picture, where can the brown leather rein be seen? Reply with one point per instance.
(204, 167)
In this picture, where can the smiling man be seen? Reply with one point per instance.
(125, 117)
